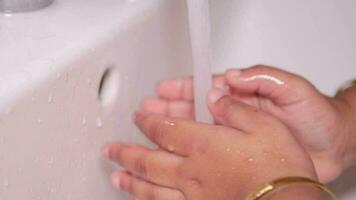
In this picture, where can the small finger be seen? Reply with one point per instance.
(142, 189)
(171, 108)
(156, 166)
(183, 88)
(176, 135)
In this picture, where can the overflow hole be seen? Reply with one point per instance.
(109, 86)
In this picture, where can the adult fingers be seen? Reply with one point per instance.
(171, 108)
(183, 88)
(282, 87)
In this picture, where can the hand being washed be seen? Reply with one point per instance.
(318, 121)
(197, 161)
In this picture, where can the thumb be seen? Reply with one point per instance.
(281, 87)
(236, 114)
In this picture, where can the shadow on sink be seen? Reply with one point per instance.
(346, 183)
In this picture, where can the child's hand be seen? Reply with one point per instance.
(316, 120)
(198, 161)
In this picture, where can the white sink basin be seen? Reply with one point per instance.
(52, 121)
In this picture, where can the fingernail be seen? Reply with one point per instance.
(233, 75)
(139, 116)
(216, 94)
(115, 181)
(222, 85)
(233, 72)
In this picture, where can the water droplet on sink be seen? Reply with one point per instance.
(8, 14)
(50, 161)
(84, 179)
(99, 122)
(8, 110)
(84, 121)
(53, 190)
(89, 81)
(92, 49)
(19, 170)
(6, 182)
(66, 77)
(50, 99)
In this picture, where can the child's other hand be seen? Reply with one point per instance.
(316, 120)
(197, 161)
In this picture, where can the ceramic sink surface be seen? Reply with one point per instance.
(52, 122)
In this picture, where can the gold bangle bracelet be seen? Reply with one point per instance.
(282, 182)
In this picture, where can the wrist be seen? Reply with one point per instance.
(296, 192)
(292, 188)
(347, 109)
